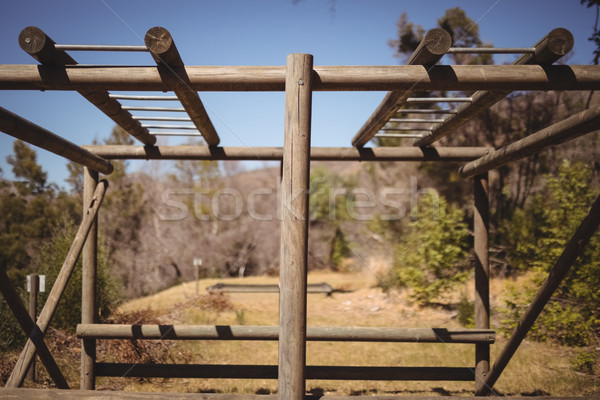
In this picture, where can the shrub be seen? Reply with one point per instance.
(49, 260)
(431, 258)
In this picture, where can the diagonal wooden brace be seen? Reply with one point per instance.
(20, 312)
(574, 248)
(18, 374)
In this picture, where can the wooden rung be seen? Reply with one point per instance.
(313, 333)
(131, 370)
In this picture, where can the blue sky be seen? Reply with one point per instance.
(245, 32)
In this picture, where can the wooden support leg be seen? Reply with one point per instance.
(294, 227)
(482, 275)
(88, 284)
(18, 374)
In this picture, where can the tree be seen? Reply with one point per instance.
(462, 29)
(595, 37)
(24, 165)
(541, 232)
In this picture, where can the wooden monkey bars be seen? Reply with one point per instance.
(298, 78)
(37, 44)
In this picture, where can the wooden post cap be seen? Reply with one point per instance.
(160, 43)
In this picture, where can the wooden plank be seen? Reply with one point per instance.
(89, 263)
(39, 45)
(580, 124)
(481, 222)
(326, 78)
(162, 47)
(574, 248)
(31, 133)
(549, 49)
(294, 226)
(46, 394)
(18, 309)
(131, 370)
(313, 333)
(115, 152)
(432, 48)
(18, 374)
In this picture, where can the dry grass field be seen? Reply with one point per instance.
(536, 369)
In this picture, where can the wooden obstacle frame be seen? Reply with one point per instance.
(534, 70)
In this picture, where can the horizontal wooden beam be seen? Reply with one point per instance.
(270, 372)
(314, 333)
(162, 48)
(31, 133)
(549, 49)
(41, 47)
(114, 152)
(327, 78)
(431, 49)
(570, 128)
(46, 394)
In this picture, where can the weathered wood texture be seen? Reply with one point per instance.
(549, 49)
(570, 128)
(314, 333)
(481, 220)
(276, 153)
(241, 288)
(431, 49)
(18, 374)
(37, 44)
(162, 47)
(574, 248)
(271, 372)
(89, 263)
(29, 132)
(47, 394)
(326, 78)
(18, 309)
(294, 226)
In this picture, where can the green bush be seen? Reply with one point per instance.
(431, 258)
(49, 259)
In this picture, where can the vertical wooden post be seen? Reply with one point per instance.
(34, 288)
(294, 227)
(481, 216)
(88, 284)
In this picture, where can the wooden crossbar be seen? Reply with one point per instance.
(327, 78)
(29, 132)
(131, 370)
(116, 152)
(580, 124)
(313, 333)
